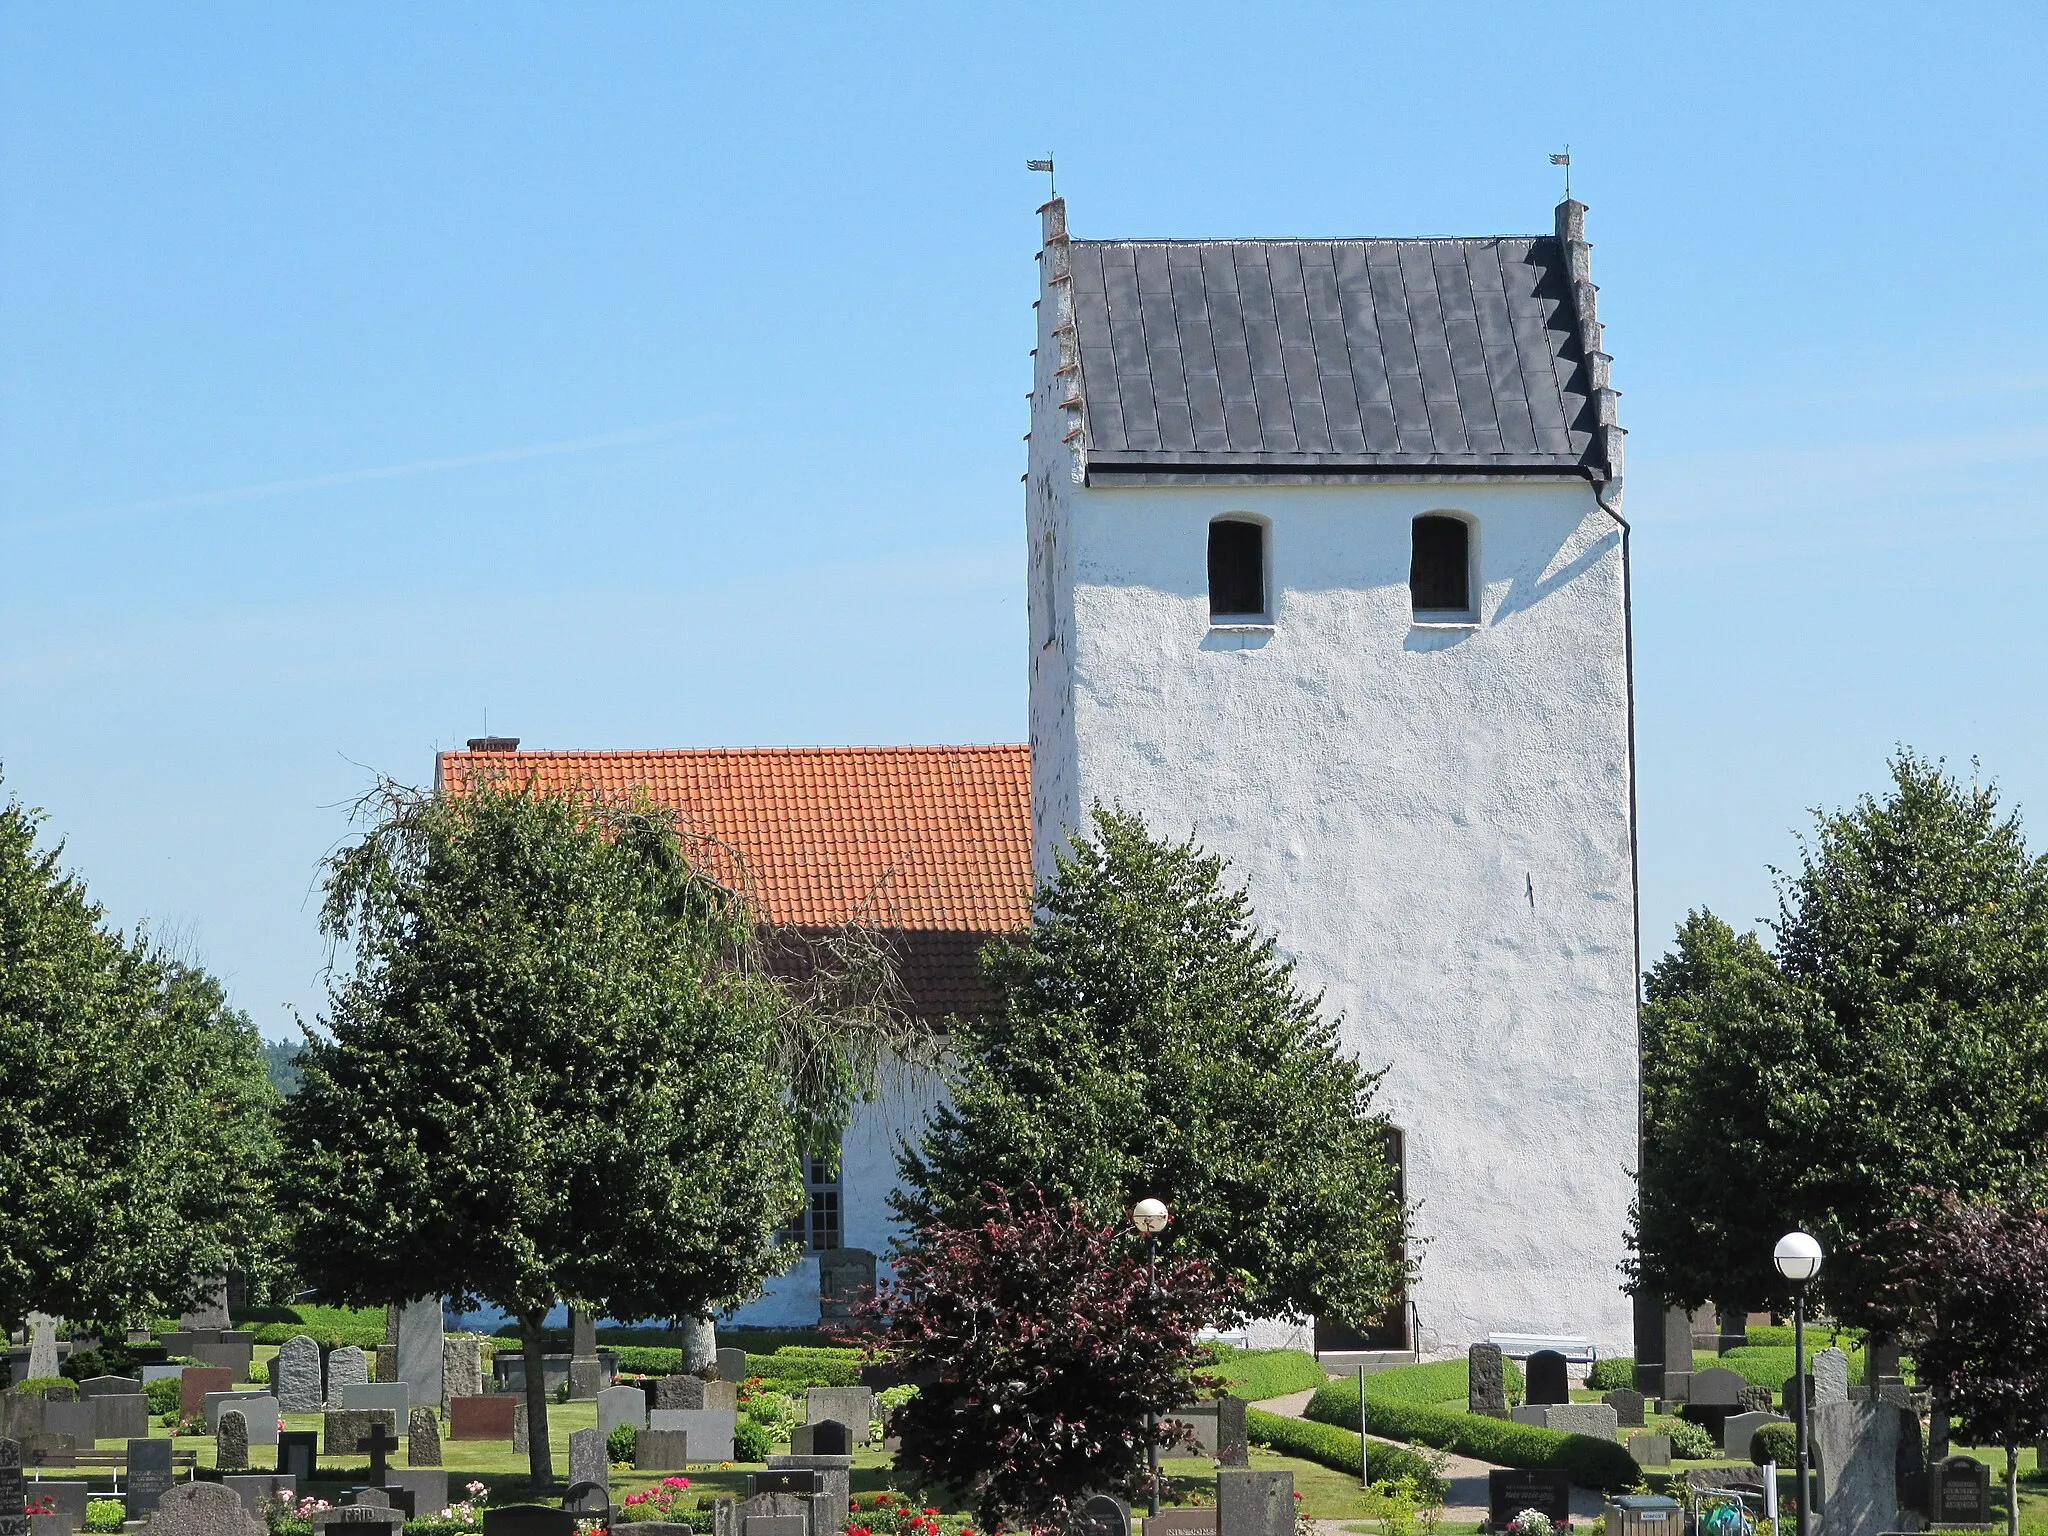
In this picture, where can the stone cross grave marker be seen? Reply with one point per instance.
(1487, 1391)
(380, 1443)
(149, 1475)
(1962, 1492)
(1546, 1378)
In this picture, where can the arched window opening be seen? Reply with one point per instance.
(1237, 570)
(1440, 567)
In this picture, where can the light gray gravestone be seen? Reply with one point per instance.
(259, 1490)
(621, 1405)
(78, 1420)
(124, 1417)
(588, 1463)
(420, 1338)
(1830, 1377)
(427, 1485)
(710, 1429)
(423, 1440)
(732, 1365)
(851, 1406)
(201, 1509)
(394, 1395)
(346, 1367)
(520, 1439)
(231, 1441)
(346, 1428)
(1255, 1503)
(1650, 1450)
(1487, 1388)
(42, 1345)
(1595, 1419)
(1717, 1387)
(1100, 1514)
(1628, 1407)
(1864, 1453)
(258, 1410)
(462, 1369)
(1740, 1428)
(297, 1377)
(661, 1450)
(110, 1386)
(149, 1476)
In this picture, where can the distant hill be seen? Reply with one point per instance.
(280, 1061)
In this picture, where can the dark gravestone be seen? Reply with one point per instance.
(1547, 1378)
(528, 1520)
(380, 1442)
(13, 1522)
(1510, 1490)
(1628, 1407)
(1881, 1362)
(298, 1450)
(830, 1438)
(1183, 1522)
(1102, 1515)
(231, 1442)
(1718, 1387)
(1789, 1396)
(1960, 1488)
(678, 1392)
(482, 1418)
(199, 1380)
(149, 1476)
(1233, 1446)
(798, 1480)
(1255, 1503)
(110, 1386)
(1486, 1391)
(1754, 1400)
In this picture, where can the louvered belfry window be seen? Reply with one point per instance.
(1440, 568)
(1237, 569)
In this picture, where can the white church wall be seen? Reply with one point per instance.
(1434, 820)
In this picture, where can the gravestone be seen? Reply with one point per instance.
(621, 1405)
(259, 1490)
(1510, 1490)
(1864, 1454)
(394, 1395)
(1628, 1407)
(1181, 1522)
(528, 1520)
(1830, 1377)
(231, 1441)
(201, 1509)
(1937, 1436)
(199, 1380)
(80, 1421)
(1789, 1394)
(230, 1352)
(1648, 1450)
(584, 1375)
(732, 1365)
(12, 1519)
(710, 1429)
(346, 1368)
(1678, 1361)
(588, 1463)
(42, 1346)
(1255, 1503)
(347, 1428)
(420, 1338)
(846, 1277)
(379, 1443)
(829, 1437)
(851, 1406)
(423, 1440)
(1717, 1387)
(481, 1418)
(360, 1520)
(462, 1369)
(792, 1480)
(297, 1377)
(258, 1410)
(65, 1496)
(1233, 1446)
(1595, 1419)
(1741, 1428)
(110, 1386)
(1545, 1378)
(124, 1417)
(298, 1451)
(210, 1312)
(61, 1392)
(1880, 1361)
(149, 1475)
(661, 1450)
(427, 1485)
(679, 1392)
(1960, 1491)
(519, 1438)
(1103, 1514)
(1487, 1388)
(1754, 1400)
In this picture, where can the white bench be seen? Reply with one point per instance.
(1520, 1346)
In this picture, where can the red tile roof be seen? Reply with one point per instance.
(932, 844)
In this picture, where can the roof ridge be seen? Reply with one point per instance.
(805, 751)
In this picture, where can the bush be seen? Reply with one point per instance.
(1328, 1446)
(622, 1443)
(1774, 1442)
(1592, 1463)
(1692, 1442)
(752, 1440)
(105, 1514)
(1613, 1374)
(38, 1385)
(164, 1395)
(1257, 1374)
(332, 1326)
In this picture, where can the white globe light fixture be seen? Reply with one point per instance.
(1150, 1216)
(1798, 1257)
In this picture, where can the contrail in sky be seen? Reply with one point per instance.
(232, 494)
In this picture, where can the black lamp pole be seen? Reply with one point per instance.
(1799, 1369)
(1152, 1411)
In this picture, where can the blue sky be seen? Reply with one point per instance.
(653, 375)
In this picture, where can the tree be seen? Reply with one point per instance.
(1152, 1043)
(1968, 1283)
(135, 1133)
(1889, 1045)
(1040, 1339)
(556, 1070)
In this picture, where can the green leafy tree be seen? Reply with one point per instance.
(1890, 1043)
(557, 1070)
(1152, 1043)
(135, 1133)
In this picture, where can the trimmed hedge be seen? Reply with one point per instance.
(332, 1326)
(787, 1370)
(1328, 1446)
(1257, 1374)
(1432, 1384)
(1592, 1463)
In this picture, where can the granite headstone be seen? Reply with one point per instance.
(149, 1475)
(1253, 1503)
(231, 1441)
(1628, 1407)
(419, 1351)
(201, 1509)
(297, 1378)
(423, 1439)
(1865, 1455)
(661, 1450)
(346, 1367)
(1546, 1378)
(621, 1405)
(1487, 1387)
(1830, 1377)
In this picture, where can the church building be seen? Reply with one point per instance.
(1327, 569)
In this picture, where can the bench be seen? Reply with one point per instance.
(1520, 1346)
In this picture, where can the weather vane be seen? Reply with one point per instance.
(1052, 189)
(1565, 160)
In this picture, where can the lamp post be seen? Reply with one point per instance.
(1798, 1259)
(1150, 1217)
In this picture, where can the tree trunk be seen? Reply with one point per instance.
(700, 1345)
(2012, 1485)
(539, 1465)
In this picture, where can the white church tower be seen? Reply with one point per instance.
(1328, 570)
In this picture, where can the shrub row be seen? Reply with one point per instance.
(1592, 1463)
(1328, 1446)
(787, 1370)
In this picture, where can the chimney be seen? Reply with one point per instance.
(494, 743)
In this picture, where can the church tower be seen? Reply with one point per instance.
(1328, 570)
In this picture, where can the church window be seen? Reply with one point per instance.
(816, 1227)
(1440, 567)
(1237, 570)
